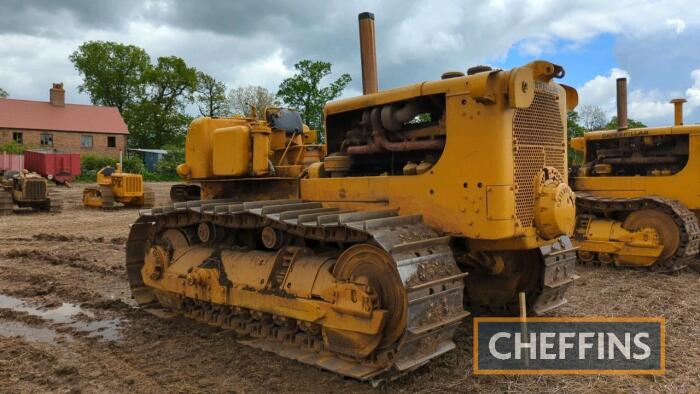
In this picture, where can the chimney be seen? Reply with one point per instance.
(368, 53)
(678, 111)
(622, 103)
(57, 96)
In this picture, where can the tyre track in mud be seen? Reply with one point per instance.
(73, 260)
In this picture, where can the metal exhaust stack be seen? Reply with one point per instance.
(368, 53)
(622, 103)
(678, 111)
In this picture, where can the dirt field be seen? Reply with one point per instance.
(67, 324)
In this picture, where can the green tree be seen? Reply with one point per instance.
(170, 87)
(210, 96)
(113, 73)
(303, 92)
(3, 93)
(242, 98)
(150, 97)
(574, 129)
(631, 123)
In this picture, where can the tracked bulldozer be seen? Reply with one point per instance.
(365, 263)
(117, 187)
(26, 189)
(638, 193)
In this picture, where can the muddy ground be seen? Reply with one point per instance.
(67, 324)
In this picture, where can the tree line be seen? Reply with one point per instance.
(153, 95)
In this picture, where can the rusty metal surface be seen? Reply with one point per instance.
(622, 103)
(380, 143)
(34, 188)
(559, 274)
(678, 111)
(433, 284)
(368, 53)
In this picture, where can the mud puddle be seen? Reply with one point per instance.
(28, 333)
(67, 316)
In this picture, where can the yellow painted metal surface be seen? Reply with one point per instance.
(239, 147)
(126, 188)
(318, 297)
(482, 185)
(231, 148)
(632, 248)
(683, 186)
(198, 145)
(261, 149)
(125, 185)
(91, 198)
(478, 156)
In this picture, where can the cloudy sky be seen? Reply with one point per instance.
(653, 43)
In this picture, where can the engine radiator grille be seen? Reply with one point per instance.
(133, 184)
(34, 189)
(539, 141)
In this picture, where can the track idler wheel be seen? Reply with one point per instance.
(606, 258)
(373, 267)
(586, 256)
(665, 226)
(272, 238)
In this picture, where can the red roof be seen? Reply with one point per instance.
(40, 115)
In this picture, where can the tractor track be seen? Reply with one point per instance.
(174, 354)
(684, 218)
(432, 280)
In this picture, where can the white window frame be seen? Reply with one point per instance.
(87, 137)
(49, 141)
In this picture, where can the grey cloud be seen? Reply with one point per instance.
(56, 18)
(415, 40)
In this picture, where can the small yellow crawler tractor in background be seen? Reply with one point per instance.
(26, 189)
(115, 186)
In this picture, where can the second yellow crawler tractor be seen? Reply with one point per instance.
(115, 186)
(638, 193)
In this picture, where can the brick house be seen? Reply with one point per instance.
(65, 127)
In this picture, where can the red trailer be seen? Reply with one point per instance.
(61, 166)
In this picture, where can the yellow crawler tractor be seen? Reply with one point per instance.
(115, 186)
(26, 189)
(286, 152)
(638, 193)
(365, 263)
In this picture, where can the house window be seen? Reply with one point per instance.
(46, 139)
(86, 141)
(111, 141)
(18, 137)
